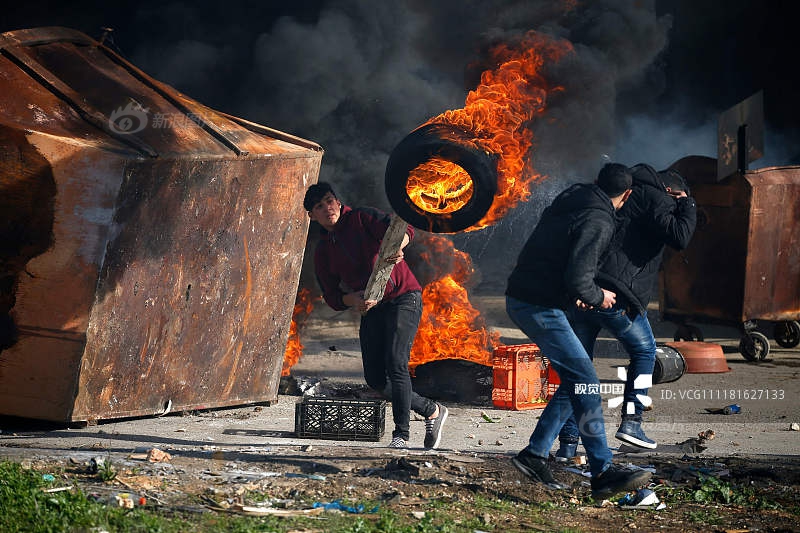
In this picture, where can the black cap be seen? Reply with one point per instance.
(315, 193)
(614, 179)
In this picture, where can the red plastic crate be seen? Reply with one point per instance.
(522, 377)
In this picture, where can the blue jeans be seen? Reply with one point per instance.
(636, 337)
(579, 390)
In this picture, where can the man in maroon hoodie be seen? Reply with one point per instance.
(343, 262)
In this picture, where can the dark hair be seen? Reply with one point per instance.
(315, 193)
(672, 178)
(614, 179)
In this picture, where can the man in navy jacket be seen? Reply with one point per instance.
(343, 262)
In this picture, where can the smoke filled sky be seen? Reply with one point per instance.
(646, 82)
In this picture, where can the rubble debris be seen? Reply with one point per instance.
(402, 466)
(316, 477)
(154, 455)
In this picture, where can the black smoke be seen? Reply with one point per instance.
(646, 82)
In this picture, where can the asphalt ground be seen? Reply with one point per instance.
(767, 393)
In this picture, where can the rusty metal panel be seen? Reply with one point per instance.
(772, 287)
(707, 278)
(149, 268)
(743, 262)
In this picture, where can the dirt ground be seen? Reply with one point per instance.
(212, 478)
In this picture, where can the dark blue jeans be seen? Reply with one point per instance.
(387, 332)
(579, 390)
(636, 338)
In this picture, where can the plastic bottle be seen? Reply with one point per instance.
(731, 409)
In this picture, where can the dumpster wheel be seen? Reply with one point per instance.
(754, 346)
(686, 332)
(787, 334)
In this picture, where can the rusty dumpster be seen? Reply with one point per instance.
(742, 267)
(150, 247)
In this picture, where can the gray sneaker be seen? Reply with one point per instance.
(433, 428)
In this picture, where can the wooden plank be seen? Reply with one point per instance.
(392, 240)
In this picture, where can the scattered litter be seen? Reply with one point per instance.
(579, 460)
(124, 500)
(337, 505)
(48, 477)
(98, 463)
(707, 434)
(487, 417)
(794, 426)
(578, 471)
(316, 477)
(731, 409)
(57, 489)
(154, 455)
(264, 511)
(697, 444)
(307, 448)
(418, 514)
(642, 498)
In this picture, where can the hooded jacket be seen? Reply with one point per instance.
(344, 258)
(559, 261)
(649, 220)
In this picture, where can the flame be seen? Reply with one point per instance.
(294, 348)
(450, 327)
(439, 186)
(497, 113)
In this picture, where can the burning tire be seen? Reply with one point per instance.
(442, 143)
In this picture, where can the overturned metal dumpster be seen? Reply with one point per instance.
(742, 267)
(150, 247)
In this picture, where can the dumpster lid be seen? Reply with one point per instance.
(60, 81)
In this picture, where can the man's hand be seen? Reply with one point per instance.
(609, 299)
(395, 258)
(356, 299)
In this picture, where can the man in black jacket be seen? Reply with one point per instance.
(556, 271)
(658, 213)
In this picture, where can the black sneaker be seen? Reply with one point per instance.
(433, 428)
(536, 469)
(616, 479)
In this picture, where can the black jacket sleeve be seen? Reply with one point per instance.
(674, 221)
(591, 238)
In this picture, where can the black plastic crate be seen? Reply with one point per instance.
(334, 419)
